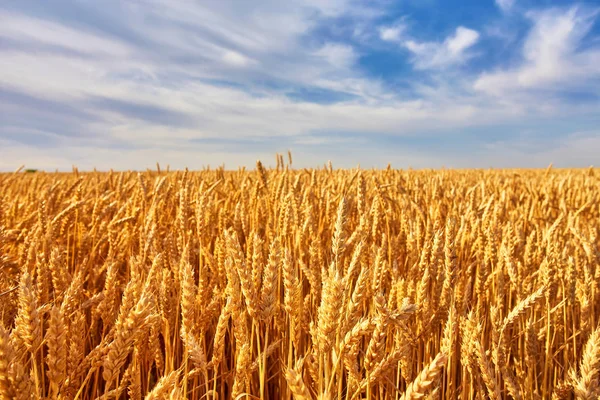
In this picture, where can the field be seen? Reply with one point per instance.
(308, 284)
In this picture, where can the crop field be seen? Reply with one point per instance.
(283, 283)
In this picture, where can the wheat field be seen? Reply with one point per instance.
(307, 284)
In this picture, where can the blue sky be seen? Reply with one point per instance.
(416, 83)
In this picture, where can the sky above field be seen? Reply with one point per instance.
(416, 83)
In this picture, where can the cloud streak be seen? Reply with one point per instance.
(452, 51)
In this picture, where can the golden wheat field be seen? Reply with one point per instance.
(307, 284)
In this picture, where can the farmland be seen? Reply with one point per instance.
(279, 283)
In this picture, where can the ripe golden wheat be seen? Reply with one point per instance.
(307, 284)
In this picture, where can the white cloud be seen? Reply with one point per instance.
(452, 51)
(552, 58)
(236, 59)
(228, 41)
(224, 112)
(337, 55)
(264, 41)
(505, 5)
(392, 33)
(463, 39)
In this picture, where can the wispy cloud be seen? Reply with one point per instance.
(505, 5)
(551, 55)
(452, 51)
(35, 31)
(393, 33)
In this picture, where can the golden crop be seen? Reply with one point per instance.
(305, 284)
